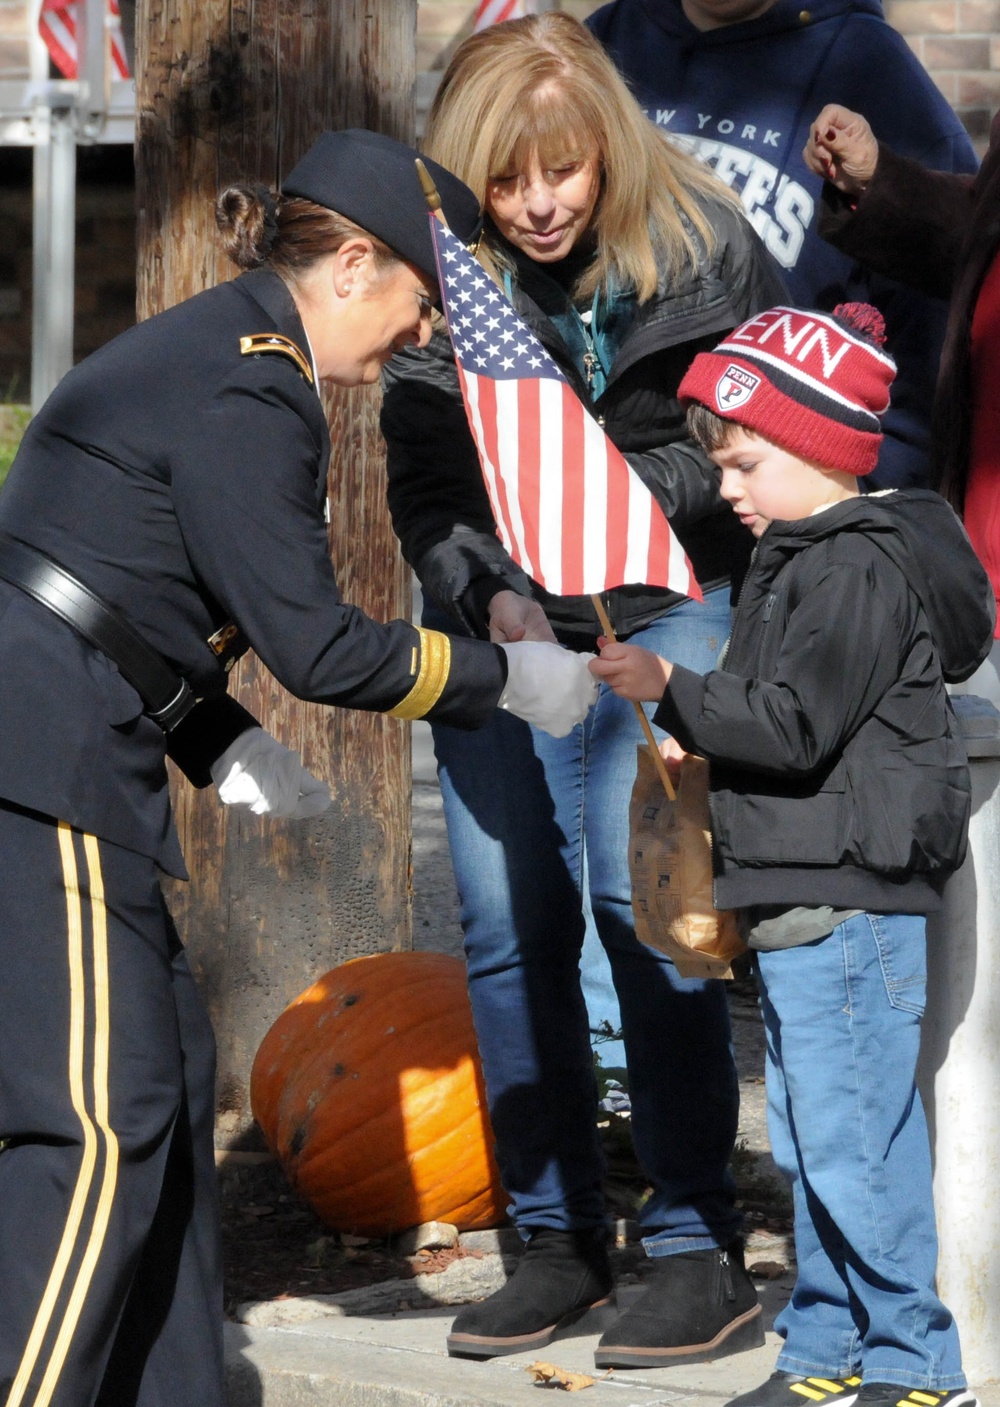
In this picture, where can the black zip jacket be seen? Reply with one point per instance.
(838, 773)
(439, 505)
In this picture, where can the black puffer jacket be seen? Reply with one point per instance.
(437, 497)
(838, 775)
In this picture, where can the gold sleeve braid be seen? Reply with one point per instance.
(432, 676)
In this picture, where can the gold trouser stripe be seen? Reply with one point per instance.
(102, 1036)
(435, 666)
(102, 1048)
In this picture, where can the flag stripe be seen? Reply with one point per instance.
(59, 35)
(636, 561)
(528, 467)
(470, 393)
(57, 27)
(620, 544)
(493, 11)
(507, 420)
(550, 496)
(593, 492)
(471, 388)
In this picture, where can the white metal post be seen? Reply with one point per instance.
(93, 67)
(54, 237)
(960, 1063)
(38, 55)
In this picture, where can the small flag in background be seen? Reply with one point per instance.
(493, 11)
(57, 26)
(570, 510)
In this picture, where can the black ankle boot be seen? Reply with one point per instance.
(699, 1305)
(561, 1274)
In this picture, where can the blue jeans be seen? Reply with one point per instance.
(538, 828)
(847, 1128)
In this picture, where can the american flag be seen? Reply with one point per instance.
(570, 511)
(493, 11)
(57, 26)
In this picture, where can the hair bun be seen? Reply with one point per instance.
(863, 319)
(247, 219)
(269, 223)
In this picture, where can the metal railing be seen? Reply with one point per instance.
(54, 117)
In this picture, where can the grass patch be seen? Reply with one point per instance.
(13, 422)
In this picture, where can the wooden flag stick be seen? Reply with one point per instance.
(658, 761)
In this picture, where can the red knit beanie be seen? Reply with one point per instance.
(813, 383)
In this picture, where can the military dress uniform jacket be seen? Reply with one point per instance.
(183, 480)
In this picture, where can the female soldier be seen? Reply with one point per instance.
(168, 503)
(625, 258)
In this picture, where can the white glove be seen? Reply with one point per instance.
(256, 771)
(547, 685)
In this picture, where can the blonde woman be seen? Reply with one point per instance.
(626, 258)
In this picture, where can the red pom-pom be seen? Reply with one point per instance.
(863, 319)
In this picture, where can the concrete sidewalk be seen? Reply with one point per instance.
(337, 1350)
(399, 1360)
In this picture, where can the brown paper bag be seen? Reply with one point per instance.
(670, 862)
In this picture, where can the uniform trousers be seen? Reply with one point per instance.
(110, 1267)
(538, 829)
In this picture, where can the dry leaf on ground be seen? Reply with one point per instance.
(548, 1375)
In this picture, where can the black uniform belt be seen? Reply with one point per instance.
(167, 697)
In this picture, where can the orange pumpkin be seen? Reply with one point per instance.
(369, 1091)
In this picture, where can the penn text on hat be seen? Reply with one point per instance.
(813, 383)
(371, 179)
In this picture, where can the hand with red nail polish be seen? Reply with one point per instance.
(842, 149)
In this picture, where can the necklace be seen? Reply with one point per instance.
(591, 359)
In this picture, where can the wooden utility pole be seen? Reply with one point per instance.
(230, 91)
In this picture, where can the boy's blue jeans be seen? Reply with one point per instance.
(847, 1127)
(538, 829)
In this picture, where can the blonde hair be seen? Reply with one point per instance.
(544, 85)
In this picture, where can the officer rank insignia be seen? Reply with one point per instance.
(260, 343)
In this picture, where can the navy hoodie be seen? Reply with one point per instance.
(743, 97)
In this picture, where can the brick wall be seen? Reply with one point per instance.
(14, 59)
(958, 42)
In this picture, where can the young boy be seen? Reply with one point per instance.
(840, 804)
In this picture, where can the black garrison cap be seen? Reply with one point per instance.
(371, 179)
